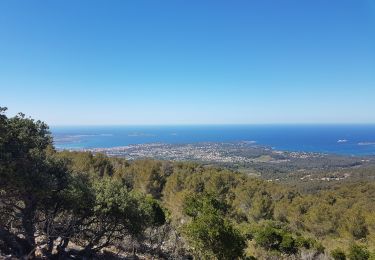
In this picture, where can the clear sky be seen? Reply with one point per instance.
(188, 61)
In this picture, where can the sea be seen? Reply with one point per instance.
(353, 140)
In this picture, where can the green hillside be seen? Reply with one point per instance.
(77, 204)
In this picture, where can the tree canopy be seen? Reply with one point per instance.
(60, 204)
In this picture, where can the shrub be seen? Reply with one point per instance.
(288, 244)
(338, 254)
(209, 233)
(357, 252)
(269, 238)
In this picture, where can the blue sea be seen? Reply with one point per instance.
(353, 140)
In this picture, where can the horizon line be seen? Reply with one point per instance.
(213, 124)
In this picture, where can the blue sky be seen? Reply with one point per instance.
(188, 61)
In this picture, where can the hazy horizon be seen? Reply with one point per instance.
(230, 124)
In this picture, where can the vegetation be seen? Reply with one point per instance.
(210, 234)
(338, 254)
(78, 204)
(45, 202)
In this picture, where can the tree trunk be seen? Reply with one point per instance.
(28, 215)
(61, 254)
(50, 245)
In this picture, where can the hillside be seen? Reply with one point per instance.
(77, 204)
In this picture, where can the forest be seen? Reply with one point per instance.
(80, 205)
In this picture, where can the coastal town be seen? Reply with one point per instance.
(250, 158)
(231, 152)
(243, 152)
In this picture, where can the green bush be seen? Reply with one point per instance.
(288, 244)
(269, 238)
(357, 252)
(303, 242)
(209, 233)
(277, 239)
(338, 254)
